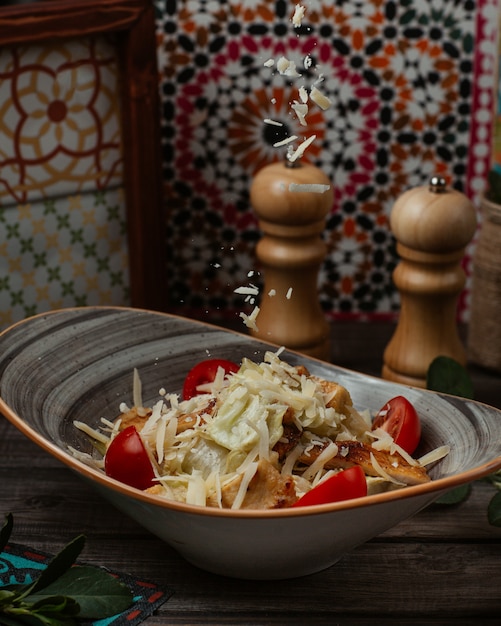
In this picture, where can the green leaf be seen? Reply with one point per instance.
(494, 510)
(59, 564)
(98, 593)
(7, 597)
(448, 376)
(455, 496)
(56, 606)
(6, 531)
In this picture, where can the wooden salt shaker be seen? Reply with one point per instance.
(290, 252)
(432, 225)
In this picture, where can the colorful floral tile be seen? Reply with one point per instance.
(62, 252)
(59, 119)
(403, 76)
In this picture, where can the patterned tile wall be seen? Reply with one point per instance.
(62, 210)
(411, 85)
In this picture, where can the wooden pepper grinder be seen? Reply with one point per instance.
(292, 201)
(432, 226)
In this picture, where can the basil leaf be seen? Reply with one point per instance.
(494, 510)
(6, 530)
(455, 496)
(59, 564)
(98, 593)
(448, 376)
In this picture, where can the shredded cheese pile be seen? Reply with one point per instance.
(206, 446)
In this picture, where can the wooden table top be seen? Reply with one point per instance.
(443, 566)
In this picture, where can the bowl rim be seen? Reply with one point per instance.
(436, 486)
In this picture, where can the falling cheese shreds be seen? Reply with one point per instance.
(303, 94)
(289, 293)
(301, 110)
(287, 68)
(297, 18)
(282, 64)
(308, 187)
(320, 99)
(300, 150)
(269, 63)
(250, 320)
(285, 141)
(267, 120)
(272, 292)
(308, 61)
(251, 290)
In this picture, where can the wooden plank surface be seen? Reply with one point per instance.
(441, 567)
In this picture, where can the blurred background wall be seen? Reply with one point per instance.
(413, 86)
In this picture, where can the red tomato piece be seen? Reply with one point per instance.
(399, 418)
(344, 485)
(203, 373)
(127, 460)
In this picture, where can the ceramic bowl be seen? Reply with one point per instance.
(77, 364)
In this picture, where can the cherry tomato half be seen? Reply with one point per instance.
(345, 485)
(399, 418)
(126, 460)
(203, 373)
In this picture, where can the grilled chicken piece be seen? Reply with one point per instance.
(185, 422)
(134, 417)
(341, 400)
(289, 440)
(267, 490)
(355, 453)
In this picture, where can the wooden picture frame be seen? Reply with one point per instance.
(133, 24)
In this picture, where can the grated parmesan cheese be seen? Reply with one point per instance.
(434, 455)
(250, 320)
(288, 295)
(284, 142)
(301, 110)
(251, 290)
(320, 99)
(308, 187)
(300, 150)
(137, 389)
(242, 490)
(297, 18)
(267, 120)
(287, 68)
(269, 63)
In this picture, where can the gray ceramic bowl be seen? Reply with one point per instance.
(77, 364)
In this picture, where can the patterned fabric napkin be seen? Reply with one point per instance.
(21, 564)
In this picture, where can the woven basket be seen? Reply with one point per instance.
(484, 335)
